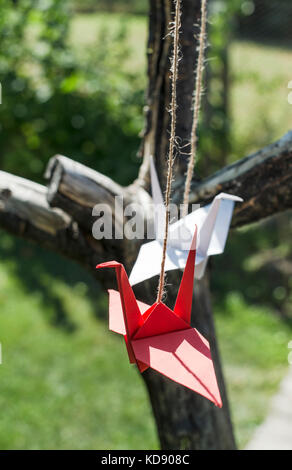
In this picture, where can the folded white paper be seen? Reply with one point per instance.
(212, 221)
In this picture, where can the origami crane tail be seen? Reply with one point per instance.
(208, 226)
(183, 356)
(132, 315)
(183, 305)
(214, 231)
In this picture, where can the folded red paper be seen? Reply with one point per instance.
(163, 339)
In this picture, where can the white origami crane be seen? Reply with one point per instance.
(212, 221)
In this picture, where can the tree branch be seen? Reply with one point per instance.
(263, 180)
(25, 212)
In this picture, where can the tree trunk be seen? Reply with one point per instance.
(184, 420)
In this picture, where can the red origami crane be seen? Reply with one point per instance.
(163, 339)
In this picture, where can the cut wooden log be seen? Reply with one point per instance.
(28, 201)
(78, 190)
(25, 212)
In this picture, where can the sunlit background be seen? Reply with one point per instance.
(73, 77)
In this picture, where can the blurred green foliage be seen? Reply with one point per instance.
(215, 142)
(257, 264)
(88, 108)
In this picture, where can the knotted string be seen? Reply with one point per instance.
(194, 138)
(196, 107)
(173, 106)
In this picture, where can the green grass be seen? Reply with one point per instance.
(259, 95)
(63, 389)
(254, 347)
(65, 381)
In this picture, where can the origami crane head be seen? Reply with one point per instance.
(161, 338)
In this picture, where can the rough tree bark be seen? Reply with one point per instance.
(60, 217)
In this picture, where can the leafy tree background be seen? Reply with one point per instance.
(56, 102)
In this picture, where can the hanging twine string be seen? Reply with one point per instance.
(174, 75)
(196, 106)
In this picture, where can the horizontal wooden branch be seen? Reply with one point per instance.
(263, 180)
(25, 212)
(28, 200)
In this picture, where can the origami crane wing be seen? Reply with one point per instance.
(213, 223)
(148, 263)
(211, 241)
(184, 300)
(182, 307)
(183, 356)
